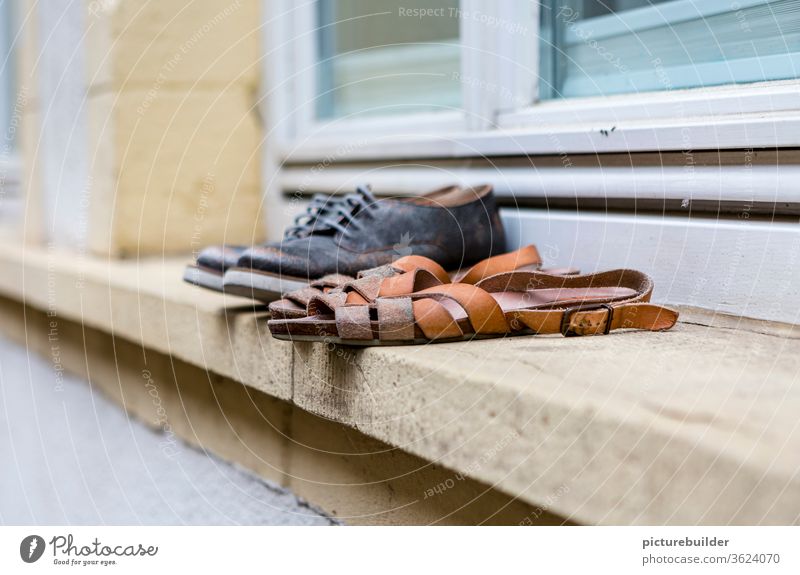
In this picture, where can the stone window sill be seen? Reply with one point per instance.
(695, 425)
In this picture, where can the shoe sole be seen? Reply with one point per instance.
(261, 286)
(204, 278)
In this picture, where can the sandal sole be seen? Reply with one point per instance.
(287, 313)
(393, 343)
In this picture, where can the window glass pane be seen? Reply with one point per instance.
(381, 58)
(592, 47)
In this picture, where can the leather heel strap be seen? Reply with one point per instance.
(635, 280)
(644, 316)
(596, 319)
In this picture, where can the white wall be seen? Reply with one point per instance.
(736, 266)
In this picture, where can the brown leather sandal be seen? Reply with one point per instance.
(293, 304)
(375, 282)
(506, 304)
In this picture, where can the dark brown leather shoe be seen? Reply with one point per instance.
(213, 261)
(453, 226)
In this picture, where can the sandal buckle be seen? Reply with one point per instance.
(570, 311)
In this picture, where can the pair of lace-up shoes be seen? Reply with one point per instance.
(453, 226)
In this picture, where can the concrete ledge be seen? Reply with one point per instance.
(696, 425)
(355, 478)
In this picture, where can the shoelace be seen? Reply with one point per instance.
(319, 206)
(324, 212)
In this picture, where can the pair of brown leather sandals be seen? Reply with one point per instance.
(414, 301)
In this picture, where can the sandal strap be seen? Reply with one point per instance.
(330, 281)
(370, 287)
(411, 263)
(352, 322)
(407, 264)
(303, 295)
(483, 312)
(435, 321)
(325, 303)
(317, 287)
(408, 282)
(595, 319)
(521, 281)
(395, 318)
(526, 256)
(590, 318)
(383, 271)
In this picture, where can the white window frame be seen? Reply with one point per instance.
(504, 122)
(10, 165)
(291, 51)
